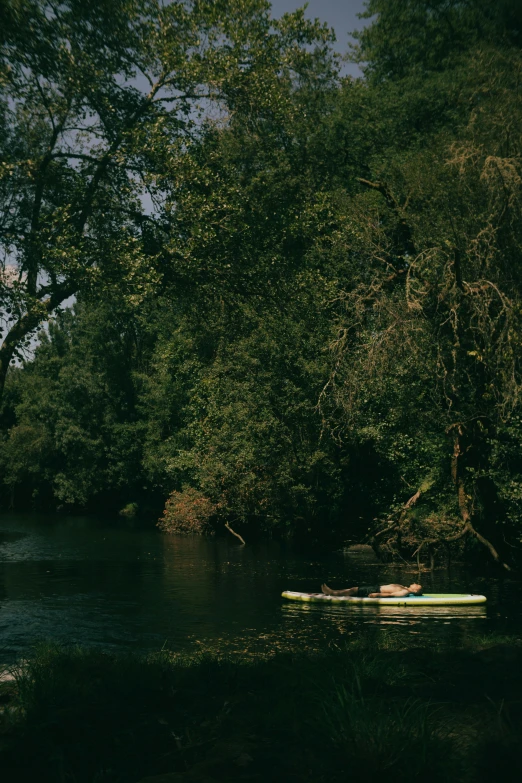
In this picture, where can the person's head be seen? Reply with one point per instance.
(415, 589)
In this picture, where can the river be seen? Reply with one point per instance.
(82, 580)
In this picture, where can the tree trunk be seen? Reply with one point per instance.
(462, 497)
(29, 321)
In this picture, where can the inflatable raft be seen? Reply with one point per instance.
(430, 599)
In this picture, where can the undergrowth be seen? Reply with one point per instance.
(368, 710)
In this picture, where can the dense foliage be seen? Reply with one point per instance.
(299, 296)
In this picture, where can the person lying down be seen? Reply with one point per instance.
(376, 591)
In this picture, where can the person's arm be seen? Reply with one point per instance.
(396, 594)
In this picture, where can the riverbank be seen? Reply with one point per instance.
(365, 711)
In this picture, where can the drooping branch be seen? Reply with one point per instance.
(411, 502)
(462, 497)
(404, 239)
(383, 189)
(465, 511)
(394, 525)
(429, 542)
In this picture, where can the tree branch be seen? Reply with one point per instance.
(235, 534)
(28, 322)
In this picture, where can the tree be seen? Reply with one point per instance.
(425, 363)
(95, 98)
(77, 438)
(230, 408)
(409, 38)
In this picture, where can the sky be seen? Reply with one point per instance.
(339, 14)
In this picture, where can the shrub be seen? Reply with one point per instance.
(188, 511)
(129, 511)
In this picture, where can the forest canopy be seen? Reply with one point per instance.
(297, 295)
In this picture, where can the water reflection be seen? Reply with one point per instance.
(83, 581)
(378, 614)
(431, 625)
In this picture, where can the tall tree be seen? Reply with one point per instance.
(416, 37)
(77, 438)
(426, 364)
(95, 97)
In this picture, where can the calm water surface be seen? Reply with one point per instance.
(83, 581)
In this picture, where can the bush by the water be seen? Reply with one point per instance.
(188, 511)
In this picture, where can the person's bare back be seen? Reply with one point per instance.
(376, 591)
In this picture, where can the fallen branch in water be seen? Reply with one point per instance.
(235, 534)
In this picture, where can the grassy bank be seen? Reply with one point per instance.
(365, 712)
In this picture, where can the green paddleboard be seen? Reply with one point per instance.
(431, 599)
